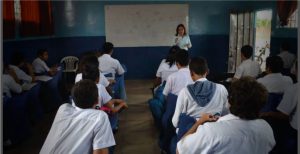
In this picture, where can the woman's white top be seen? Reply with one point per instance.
(183, 42)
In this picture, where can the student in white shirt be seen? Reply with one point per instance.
(248, 67)
(39, 65)
(287, 57)
(10, 82)
(107, 64)
(274, 81)
(166, 67)
(181, 78)
(91, 72)
(203, 96)
(182, 39)
(17, 63)
(79, 128)
(241, 131)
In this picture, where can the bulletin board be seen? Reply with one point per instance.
(144, 25)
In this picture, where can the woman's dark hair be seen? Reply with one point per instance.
(198, 65)
(180, 25)
(90, 68)
(246, 98)
(107, 47)
(40, 52)
(171, 55)
(274, 63)
(85, 94)
(182, 57)
(83, 60)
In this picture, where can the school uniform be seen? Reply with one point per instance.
(288, 104)
(9, 84)
(177, 81)
(183, 41)
(248, 68)
(287, 58)
(229, 134)
(164, 70)
(77, 130)
(39, 66)
(21, 74)
(103, 81)
(275, 82)
(107, 64)
(188, 102)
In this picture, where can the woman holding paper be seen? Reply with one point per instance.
(182, 39)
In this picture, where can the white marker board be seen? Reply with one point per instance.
(144, 25)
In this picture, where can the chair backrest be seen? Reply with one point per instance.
(272, 102)
(70, 63)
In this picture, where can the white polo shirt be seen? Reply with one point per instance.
(229, 135)
(102, 80)
(21, 74)
(275, 82)
(77, 130)
(9, 84)
(288, 104)
(104, 97)
(186, 104)
(164, 70)
(177, 81)
(247, 68)
(39, 66)
(183, 41)
(287, 58)
(107, 64)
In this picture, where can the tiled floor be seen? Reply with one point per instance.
(136, 135)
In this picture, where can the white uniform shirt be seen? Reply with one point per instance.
(39, 66)
(287, 58)
(182, 42)
(248, 68)
(177, 81)
(21, 74)
(164, 70)
(186, 104)
(275, 82)
(107, 64)
(9, 84)
(102, 80)
(289, 103)
(104, 97)
(229, 135)
(77, 130)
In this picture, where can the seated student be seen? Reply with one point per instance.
(91, 72)
(39, 65)
(79, 128)
(181, 78)
(82, 63)
(248, 67)
(10, 82)
(287, 57)
(203, 96)
(241, 131)
(274, 81)
(107, 64)
(166, 67)
(17, 63)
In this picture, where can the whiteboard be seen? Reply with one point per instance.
(144, 25)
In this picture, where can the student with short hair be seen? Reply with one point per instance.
(248, 67)
(241, 131)
(39, 65)
(203, 96)
(10, 82)
(181, 78)
(18, 62)
(79, 128)
(274, 81)
(107, 64)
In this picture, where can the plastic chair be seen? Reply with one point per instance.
(70, 63)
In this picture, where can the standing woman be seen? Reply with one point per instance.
(181, 38)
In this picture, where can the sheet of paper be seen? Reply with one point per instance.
(43, 78)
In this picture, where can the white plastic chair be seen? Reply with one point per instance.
(70, 63)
